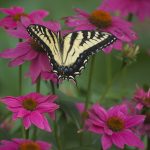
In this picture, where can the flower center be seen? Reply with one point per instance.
(100, 18)
(115, 124)
(29, 146)
(17, 17)
(29, 104)
(147, 118)
(36, 46)
(146, 101)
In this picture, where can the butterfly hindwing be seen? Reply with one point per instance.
(47, 40)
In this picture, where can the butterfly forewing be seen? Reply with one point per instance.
(84, 43)
(47, 40)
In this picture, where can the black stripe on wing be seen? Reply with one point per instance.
(33, 29)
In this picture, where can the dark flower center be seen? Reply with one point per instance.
(18, 16)
(115, 124)
(100, 18)
(29, 104)
(147, 100)
(147, 118)
(29, 146)
(36, 46)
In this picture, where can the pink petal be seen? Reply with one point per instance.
(106, 142)
(8, 23)
(26, 122)
(37, 119)
(82, 12)
(134, 120)
(46, 125)
(118, 140)
(22, 112)
(131, 139)
(38, 13)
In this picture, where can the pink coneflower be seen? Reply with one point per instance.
(14, 15)
(31, 109)
(28, 50)
(140, 8)
(114, 125)
(102, 20)
(142, 98)
(21, 144)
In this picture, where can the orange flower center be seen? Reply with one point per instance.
(100, 18)
(29, 104)
(36, 46)
(18, 16)
(29, 146)
(115, 124)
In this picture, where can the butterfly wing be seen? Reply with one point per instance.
(48, 41)
(78, 46)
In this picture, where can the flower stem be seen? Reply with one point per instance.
(88, 96)
(148, 143)
(38, 84)
(20, 79)
(109, 68)
(25, 133)
(130, 17)
(56, 126)
(110, 83)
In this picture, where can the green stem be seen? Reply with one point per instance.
(25, 133)
(56, 126)
(110, 84)
(130, 17)
(109, 68)
(89, 84)
(20, 79)
(148, 143)
(38, 84)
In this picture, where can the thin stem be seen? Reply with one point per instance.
(89, 84)
(20, 79)
(130, 17)
(108, 68)
(148, 143)
(56, 130)
(38, 84)
(26, 133)
(110, 83)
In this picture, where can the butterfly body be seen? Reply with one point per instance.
(69, 55)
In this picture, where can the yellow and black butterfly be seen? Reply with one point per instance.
(69, 54)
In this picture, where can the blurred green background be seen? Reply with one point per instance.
(138, 73)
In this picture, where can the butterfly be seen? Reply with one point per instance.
(69, 54)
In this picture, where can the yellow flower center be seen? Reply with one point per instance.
(100, 18)
(18, 16)
(115, 124)
(29, 146)
(36, 46)
(29, 104)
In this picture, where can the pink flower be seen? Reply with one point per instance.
(105, 22)
(28, 50)
(114, 125)
(14, 15)
(31, 109)
(21, 144)
(80, 107)
(142, 98)
(140, 8)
